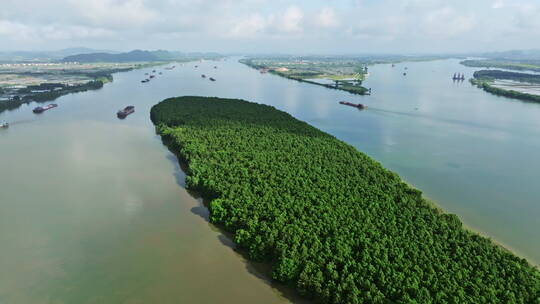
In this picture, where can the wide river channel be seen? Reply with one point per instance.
(93, 209)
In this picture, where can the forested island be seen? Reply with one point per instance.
(331, 222)
(487, 80)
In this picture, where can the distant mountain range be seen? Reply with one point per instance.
(41, 56)
(87, 55)
(514, 55)
(133, 56)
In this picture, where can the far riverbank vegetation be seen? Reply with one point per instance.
(486, 79)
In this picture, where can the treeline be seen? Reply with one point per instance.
(484, 79)
(498, 74)
(330, 221)
(486, 86)
(521, 65)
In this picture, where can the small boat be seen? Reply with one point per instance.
(212, 79)
(404, 74)
(4, 124)
(160, 73)
(38, 110)
(153, 71)
(203, 76)
(215, 67)
(125, 112)
(145, 80)
(152, 76)
(196, 66)
(145, 73)
(356, 105)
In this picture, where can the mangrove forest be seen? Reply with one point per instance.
(329, 220)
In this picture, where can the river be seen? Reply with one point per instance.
(93, 209)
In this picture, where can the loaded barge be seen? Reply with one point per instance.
(38, 110)
(356, 105)
(125, 112)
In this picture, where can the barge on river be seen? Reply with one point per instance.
(356, 105)
(38, 110)
(125, 112)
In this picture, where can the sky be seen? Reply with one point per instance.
(272, 26)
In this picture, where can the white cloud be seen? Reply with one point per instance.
(327, 18)
(22, 32)
(249, 26)
(14, 30)
(116, 13)
(498, 4)
(291, 20)
(270, 25)
(447, 22)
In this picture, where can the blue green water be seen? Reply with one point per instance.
(93, 209)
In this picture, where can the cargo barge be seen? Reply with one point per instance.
(356, 105)
(38, 110)
(125, 112)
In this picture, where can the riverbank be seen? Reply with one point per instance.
(371, 219)
(47, 82)
(503, 64)
(46, 93)
(339, 75)
(486, 80)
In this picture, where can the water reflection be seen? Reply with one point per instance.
(93, 209)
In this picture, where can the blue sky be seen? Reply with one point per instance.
(301, 26)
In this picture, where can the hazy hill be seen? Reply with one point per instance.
(133, 56)
(515, 55)
(41, 56)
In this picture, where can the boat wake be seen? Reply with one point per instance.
(434, 118)
(20, 122)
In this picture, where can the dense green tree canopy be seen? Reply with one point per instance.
(331, 221)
